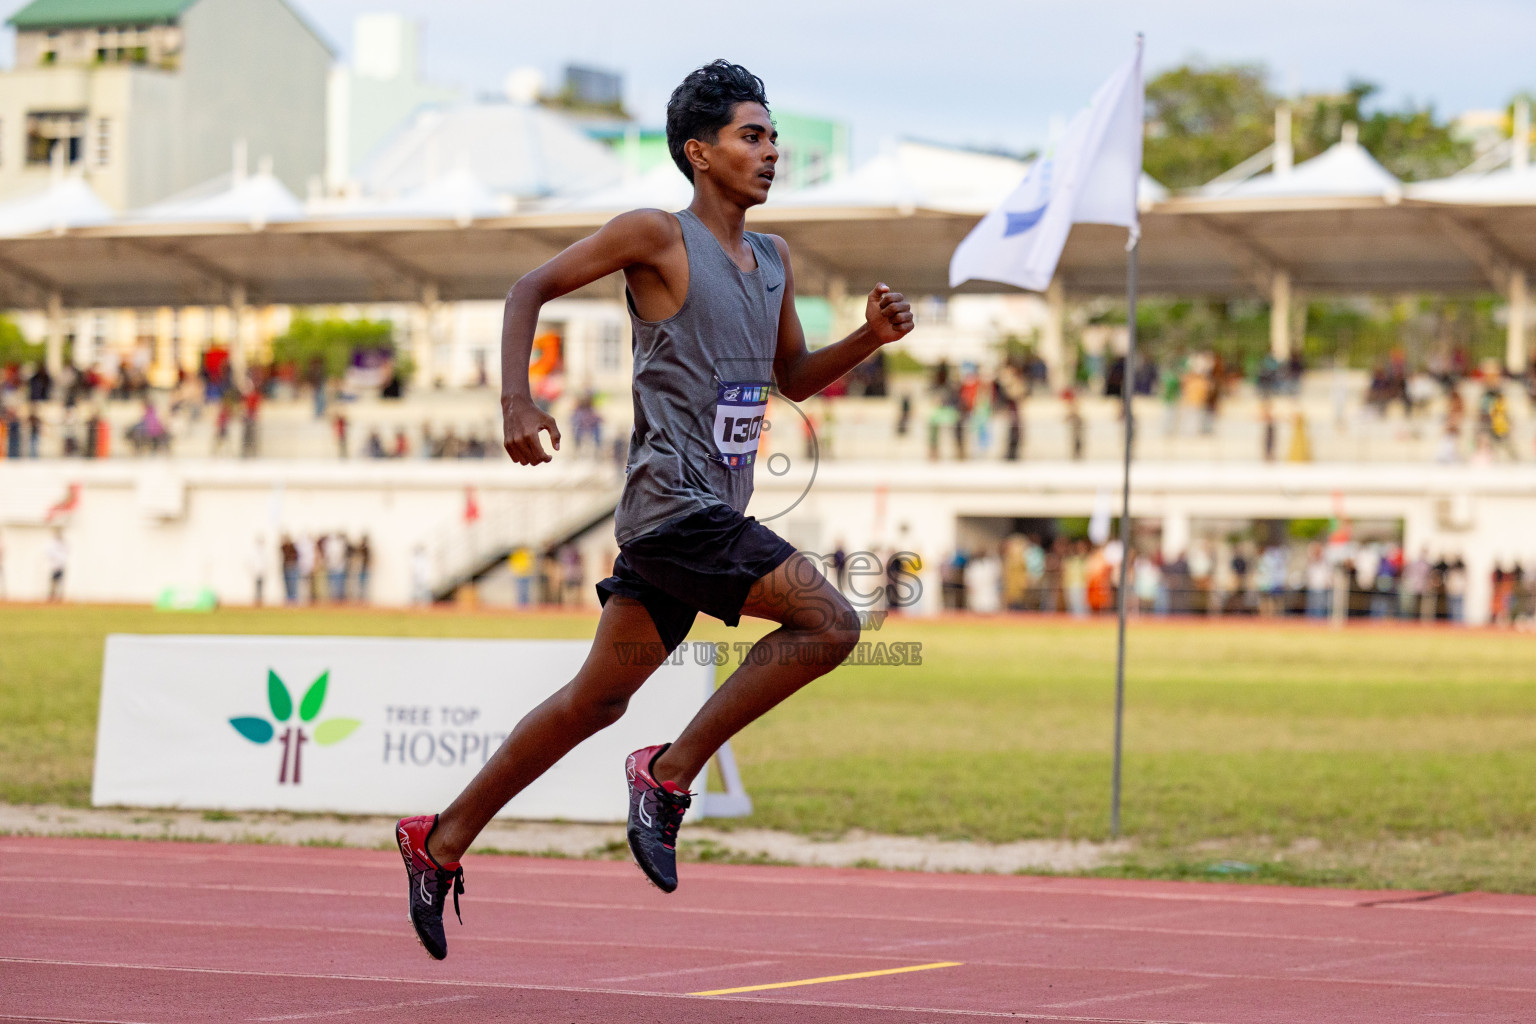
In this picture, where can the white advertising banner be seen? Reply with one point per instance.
(359, 725)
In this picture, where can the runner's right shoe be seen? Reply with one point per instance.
(655, 812)
(429, 883)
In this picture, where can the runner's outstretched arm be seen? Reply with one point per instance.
(627, 240)
(801, 374)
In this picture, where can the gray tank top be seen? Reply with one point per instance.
(701, 386)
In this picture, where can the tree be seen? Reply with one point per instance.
(1203, 120)
(14, 348)
(333, 341)
(1411, 142)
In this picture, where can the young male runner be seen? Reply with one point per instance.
(713, 312)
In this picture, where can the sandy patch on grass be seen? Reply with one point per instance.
(861, 849)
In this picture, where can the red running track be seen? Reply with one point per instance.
(108, 931)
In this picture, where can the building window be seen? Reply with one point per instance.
(103, 141)
(51, 130)
(609, 353)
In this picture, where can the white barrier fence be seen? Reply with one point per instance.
(365, 725)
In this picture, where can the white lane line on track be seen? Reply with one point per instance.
(1166, 972)
(941, 883)
(652, 909)
(367, 1009)
(583, 990)
(686, 970)
(1328, 965)
(1169, 990)
(65, 1020)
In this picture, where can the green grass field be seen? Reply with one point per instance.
(1377, 756)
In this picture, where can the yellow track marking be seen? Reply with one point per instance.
(821, 981)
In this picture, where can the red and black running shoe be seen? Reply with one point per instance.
(430, 883)
(655, 812)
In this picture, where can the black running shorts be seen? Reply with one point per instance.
(703, 561)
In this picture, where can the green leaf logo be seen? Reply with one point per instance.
(334, 730)
(310, 706)
(292, 738)
(277, 696)
(257, 730)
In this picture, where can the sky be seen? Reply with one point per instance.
(991, 73)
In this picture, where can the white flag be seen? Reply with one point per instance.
(1091, 175)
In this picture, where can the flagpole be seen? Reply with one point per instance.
(1127, 389)
(1127, 386)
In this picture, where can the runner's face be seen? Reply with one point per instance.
(744, 157)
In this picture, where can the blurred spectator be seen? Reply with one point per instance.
(1074, 426)
(288, 555)
(1455, 589)
(570, 575)
(1147, 583)
(34, 432)
(1319, 580)
(587, 424)
(149, 433)
(982, 578)
(520, 565)
(339, 426)
(1267, 420)
(375, 446)
(56, 558)
(10, 426)
(360, 555)
(250, 438)
(256, 566)
(308, 566)
(1415, 583)
(1074, 579)
(333, 548)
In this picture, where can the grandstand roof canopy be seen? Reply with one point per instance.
(1230, 245)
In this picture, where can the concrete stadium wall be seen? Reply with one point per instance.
(139, 526)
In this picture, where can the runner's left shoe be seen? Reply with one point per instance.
(655, 812)
(429, 883)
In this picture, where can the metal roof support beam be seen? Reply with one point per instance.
(222, 280)
(1258, 265)
(1515, 358)
(395, 267)
(1496, 264)
(42, 288)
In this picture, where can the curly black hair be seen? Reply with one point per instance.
(705, 102)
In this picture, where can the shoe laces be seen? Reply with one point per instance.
(670, 807)
(454, 881)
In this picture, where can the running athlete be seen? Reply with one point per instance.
(712, 306)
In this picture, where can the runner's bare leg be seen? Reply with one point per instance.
(593, 700)
(817, 630)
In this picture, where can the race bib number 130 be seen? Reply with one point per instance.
(739, 422)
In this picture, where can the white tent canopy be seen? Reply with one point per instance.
(1346, 169)
(66, 203)
(522, 151)
(458, 196)
(663, 187)
(257, 200)
(1504, 187)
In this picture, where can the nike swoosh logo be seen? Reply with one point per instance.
(774, 287)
